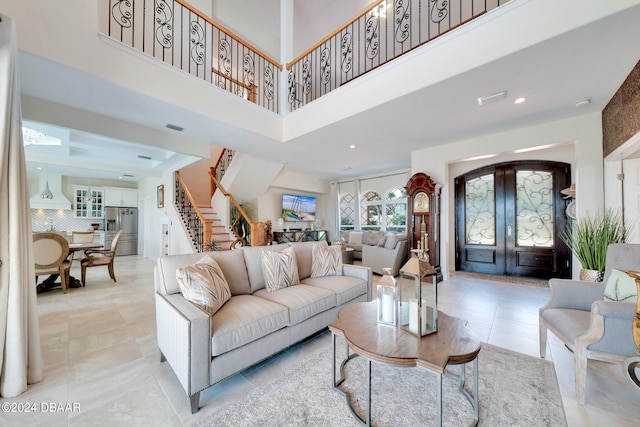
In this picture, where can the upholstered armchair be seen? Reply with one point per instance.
(587, 324)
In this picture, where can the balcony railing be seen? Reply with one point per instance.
(383, 32)
(176, 33)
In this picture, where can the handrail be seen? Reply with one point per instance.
(260, 231)
(231, 33)
(199, 229)
(381, 33)
(178, 34)
(336, 31)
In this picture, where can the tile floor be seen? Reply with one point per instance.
(100, 354)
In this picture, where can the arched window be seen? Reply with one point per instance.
(371, 217)
(347, 212)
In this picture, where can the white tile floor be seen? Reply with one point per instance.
(99, 350)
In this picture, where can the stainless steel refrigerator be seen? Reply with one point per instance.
(125, 219)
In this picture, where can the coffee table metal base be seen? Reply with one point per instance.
(337, 382)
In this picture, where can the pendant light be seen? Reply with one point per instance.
(46, 193)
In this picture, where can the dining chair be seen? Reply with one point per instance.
(50, 252)
(80, 237)
(100, 257)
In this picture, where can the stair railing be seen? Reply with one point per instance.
(175, 32)
(200, 231)
(381, 33)
(257, 233)
(220, 168)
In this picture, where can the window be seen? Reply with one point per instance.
(396, 209)
(371, 211)
(347, 212)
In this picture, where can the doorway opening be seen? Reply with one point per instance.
(509, 217)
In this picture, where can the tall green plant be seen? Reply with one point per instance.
(590, 236)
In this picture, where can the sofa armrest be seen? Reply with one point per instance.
(610, 330)
(184, 339)
(360, 272)
(576, 294)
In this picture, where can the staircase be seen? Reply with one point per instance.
(219, 235)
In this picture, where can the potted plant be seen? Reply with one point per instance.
(589, 237)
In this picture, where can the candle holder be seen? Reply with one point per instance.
(419, 315)
(388, 298)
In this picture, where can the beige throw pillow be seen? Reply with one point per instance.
(326, 261)
(280, 269)
(355, 238)
(620, 287)
(204, 284)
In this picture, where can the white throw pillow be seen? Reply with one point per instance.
(204, 284)
(326, 260)
(280, 269)
(620, 287)
(355, 237)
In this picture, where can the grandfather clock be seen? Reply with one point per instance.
(423, 219)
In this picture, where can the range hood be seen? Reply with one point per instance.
(59, 201)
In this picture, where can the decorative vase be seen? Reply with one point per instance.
(591, 275)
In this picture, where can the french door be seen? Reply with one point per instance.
(509, 217)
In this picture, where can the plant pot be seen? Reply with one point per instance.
(591, 275)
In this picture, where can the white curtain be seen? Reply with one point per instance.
(20, 356)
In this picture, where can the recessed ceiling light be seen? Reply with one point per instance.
(352, 146)
(487, 99)
(582, 103)
(519, 100)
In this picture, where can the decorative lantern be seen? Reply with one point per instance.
(388, 298)
(419, 315)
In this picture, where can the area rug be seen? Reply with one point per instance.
(514, 389)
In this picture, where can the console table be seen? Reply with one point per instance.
(453, 344)
(299, 236)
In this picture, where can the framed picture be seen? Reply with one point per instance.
(160, 196)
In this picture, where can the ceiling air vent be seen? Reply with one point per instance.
(140, 156)
(128, 175)
(484, 100)
(174, 127)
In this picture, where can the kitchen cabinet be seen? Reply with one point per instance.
(114, 196)
(88, 202)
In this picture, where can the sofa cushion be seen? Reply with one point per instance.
(346, 288)
(326, 261)
(280, 269)
(253, 260)
(620, 287)
(302, 301)
(371, 237)
(245, 318)
(234, 269)
(355, 238)
(303, 252)
(204, 284)
(393, 240)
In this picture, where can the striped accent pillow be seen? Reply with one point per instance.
(326, 260)
(280, 269)
(204, 284)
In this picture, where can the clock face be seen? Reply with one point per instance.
(421, 203)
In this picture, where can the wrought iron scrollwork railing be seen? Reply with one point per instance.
(199, 229)
(221, 167)
(383, 32)
(176, 33)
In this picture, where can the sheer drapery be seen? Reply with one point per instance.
(20, 356)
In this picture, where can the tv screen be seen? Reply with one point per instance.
(298, 208)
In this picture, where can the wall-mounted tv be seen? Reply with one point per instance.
(298, 208)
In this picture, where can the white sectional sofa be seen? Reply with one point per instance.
(203, 349)
(377, 249)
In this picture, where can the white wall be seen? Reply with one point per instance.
(577, 141)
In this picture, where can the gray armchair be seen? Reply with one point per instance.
(587, 324)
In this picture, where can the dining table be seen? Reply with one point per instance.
(50, 282)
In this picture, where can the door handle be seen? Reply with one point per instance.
(509, 231)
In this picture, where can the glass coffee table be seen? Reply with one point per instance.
(452, 344)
